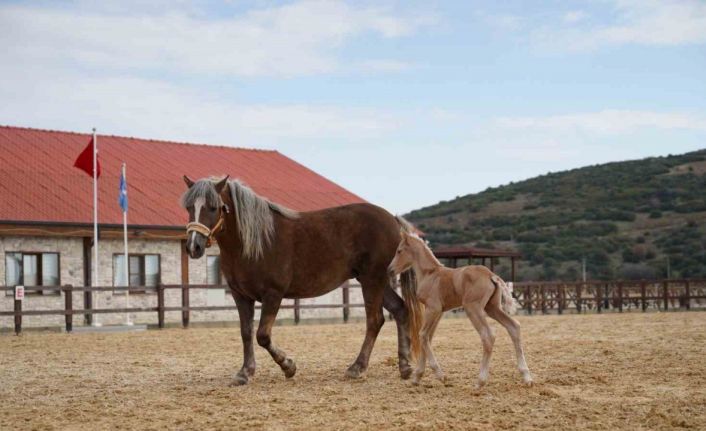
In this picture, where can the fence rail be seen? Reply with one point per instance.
(533, 297)
(617, 295)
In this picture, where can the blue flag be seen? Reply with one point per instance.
(122, 197)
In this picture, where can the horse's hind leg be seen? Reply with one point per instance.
(372, 296)
(474, 311)
(496, 312)
(270, 307)
(395, 305)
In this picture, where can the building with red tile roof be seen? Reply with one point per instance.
(46, 216)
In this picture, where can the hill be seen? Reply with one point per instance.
(632, 219)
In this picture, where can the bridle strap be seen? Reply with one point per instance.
(204, 230)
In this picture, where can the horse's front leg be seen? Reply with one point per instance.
(270, 307)
(246, 312)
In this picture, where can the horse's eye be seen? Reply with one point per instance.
(212, 209)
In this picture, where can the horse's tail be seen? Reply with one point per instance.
(508, 302)
(415, 309)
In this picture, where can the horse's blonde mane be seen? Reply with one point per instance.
(253, 213)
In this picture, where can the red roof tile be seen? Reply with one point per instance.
(39, 183)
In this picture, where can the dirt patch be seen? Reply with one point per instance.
(592, 371)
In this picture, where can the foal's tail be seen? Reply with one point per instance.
(509, 303)
(415, 309)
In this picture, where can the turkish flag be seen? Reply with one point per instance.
(84, 161)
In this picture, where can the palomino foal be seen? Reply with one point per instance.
(475, 288)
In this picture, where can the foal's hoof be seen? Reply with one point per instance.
(289, 368)
(528, 382)
(354, 372)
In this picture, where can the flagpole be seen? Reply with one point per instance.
(127, 261)
(95, 221)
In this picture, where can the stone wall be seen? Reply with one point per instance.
(71, 272)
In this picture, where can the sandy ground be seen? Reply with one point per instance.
(629, 371)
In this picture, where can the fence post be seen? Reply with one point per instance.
(68, 307)
(578, 298)
(160, 306)
(601, 297)
(643, 295)
(296, 311)
(18, 312)
(88, 305)
(687, 293)
(528, 299)
(665, 294)
(346, 302)
(620, 297)
(543, 299)
(561, 293)
(185, 306)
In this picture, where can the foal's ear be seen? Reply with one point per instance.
(222, 184)
(188, 181)
(405, 237)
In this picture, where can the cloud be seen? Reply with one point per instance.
(634, 22)
(295, 39)
(609, 121)
(148, 108)
(574, 16)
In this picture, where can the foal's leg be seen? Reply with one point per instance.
(431, 357)
(372, 296)
(246, 311)
(513, 328)
(474, 311)
(395, 305)
(431, 317)
(270, 306)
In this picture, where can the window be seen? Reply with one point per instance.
(32, 269)
(213, 276)
(143, 270)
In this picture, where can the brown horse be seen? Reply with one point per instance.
(474, 287)
(269, 252)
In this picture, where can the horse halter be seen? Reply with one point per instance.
(204, 230)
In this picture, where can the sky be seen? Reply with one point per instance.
(405, 103)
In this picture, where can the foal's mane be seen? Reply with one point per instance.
(253, 213)
(422, 246)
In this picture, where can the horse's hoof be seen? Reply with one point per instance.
(479, 384)
(406, 372)
(528, 382)
(289, 368)
(354, 372)
(441, 377)
(240, 379)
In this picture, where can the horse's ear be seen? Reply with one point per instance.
(222, 184)
(188, 181)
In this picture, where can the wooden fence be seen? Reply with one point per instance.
(617, 295)
(533, 297)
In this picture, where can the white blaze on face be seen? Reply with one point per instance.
(198, 204)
